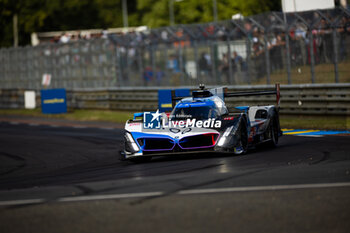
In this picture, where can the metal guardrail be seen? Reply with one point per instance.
(313, 99)
(11, 99)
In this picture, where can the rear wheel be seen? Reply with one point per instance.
(273, 132)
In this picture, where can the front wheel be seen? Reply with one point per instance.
(242, 144)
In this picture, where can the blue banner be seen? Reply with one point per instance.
(164, 98)
(53, 101)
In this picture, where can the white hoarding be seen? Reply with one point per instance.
(306, 5)
(29, 99)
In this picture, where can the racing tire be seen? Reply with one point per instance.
(273, 132)
(243, 137)
(122, 156)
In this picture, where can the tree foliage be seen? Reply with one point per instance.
(155, 13)
(60, 15)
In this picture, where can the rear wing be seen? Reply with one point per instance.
(223, 93)
(253, 93)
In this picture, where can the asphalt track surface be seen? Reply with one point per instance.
(66, 179)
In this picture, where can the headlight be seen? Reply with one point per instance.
(222, 141)
(227, 131)
(230, 130)
(132, 142)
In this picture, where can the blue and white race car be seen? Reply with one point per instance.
(202, 123)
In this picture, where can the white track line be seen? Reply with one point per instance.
(22, 202)
(183, 192)
(313, 136)
(109, 196)
(263, 188)
(79, 127)
(107, 128)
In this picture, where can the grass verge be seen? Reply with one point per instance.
(315, 122)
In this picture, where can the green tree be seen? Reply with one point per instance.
(155, 13)
(56, 15)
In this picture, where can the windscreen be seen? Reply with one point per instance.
(195, 112)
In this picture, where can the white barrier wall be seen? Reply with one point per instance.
(302, 5)
(29, 100)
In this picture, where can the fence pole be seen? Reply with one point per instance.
(287, 49)
(140, 58)
(312, 56)
(126, 70)
(119, 67)
(213, 63)
(230, 71)
(249, 52)
(153, 64)
(197, 61)
(181, 64)
(81, 68)
(267, 60)
(288, 59)
(70, 67)
(167, 73)
(335, 58)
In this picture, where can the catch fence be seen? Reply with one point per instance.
(292, 48)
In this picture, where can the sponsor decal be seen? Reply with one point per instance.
(166, 105)
(54, 101)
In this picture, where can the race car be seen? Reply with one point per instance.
(202, 123)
